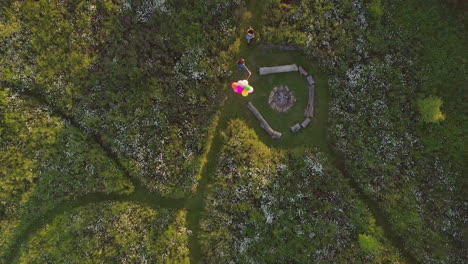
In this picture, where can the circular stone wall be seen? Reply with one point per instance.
(281, 99)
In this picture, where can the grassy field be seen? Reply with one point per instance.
(234, 107)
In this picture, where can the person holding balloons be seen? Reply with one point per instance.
(241, 65)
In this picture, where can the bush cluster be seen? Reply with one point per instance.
(274, 207)
(413, 170)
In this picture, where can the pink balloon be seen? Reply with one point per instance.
(251, 89)
(240, 89)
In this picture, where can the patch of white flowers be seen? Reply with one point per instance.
(146, 10)
(188, 66)
(313, 165)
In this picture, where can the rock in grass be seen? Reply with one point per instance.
(295, 128)
(306, 122)
(302, 71)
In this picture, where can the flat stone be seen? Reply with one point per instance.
(270, 98)
(310, 80)
(278, 69)
(295, 128)
(302, 71)
(306, 122)
(276, 135)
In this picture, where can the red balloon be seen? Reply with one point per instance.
(234, 85)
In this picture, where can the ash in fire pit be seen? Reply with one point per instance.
(281, 99)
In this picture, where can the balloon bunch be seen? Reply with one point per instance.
(242, 87)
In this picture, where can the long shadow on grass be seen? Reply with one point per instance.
(31, 225)
(374, 208)
(141, 194)
(97, 138)
(196, 203)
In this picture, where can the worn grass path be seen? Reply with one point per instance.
(233, 107)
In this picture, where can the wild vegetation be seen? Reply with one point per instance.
(131, 72)
(111, 233)
(267, 206)
(394, 65)
(122, 109)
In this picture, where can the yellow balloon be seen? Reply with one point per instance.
(245, 93)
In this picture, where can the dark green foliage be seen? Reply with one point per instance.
(44, 161)
(135, 84)
(140, 74)
(375, 9)
(76, 167)
(27, 133)
(386, 55)
(111, 233)
(54, 44)
(267, 207)
(368, 244)
(138, 83)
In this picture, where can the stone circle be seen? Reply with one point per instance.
(281, 98)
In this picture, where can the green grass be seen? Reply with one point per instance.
(235, 105)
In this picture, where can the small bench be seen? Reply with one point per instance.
(306, 122)
(309, 111)
(263, 123)
(295, 128)
(278, 69)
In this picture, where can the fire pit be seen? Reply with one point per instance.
(281, 99)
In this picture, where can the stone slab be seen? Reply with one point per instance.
(302, 71)
(295, 128)
(276, 135)
(278, 69)
(310, 80)
(306, 122)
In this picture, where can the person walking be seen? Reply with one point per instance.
(241, 65)
(250, 35)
